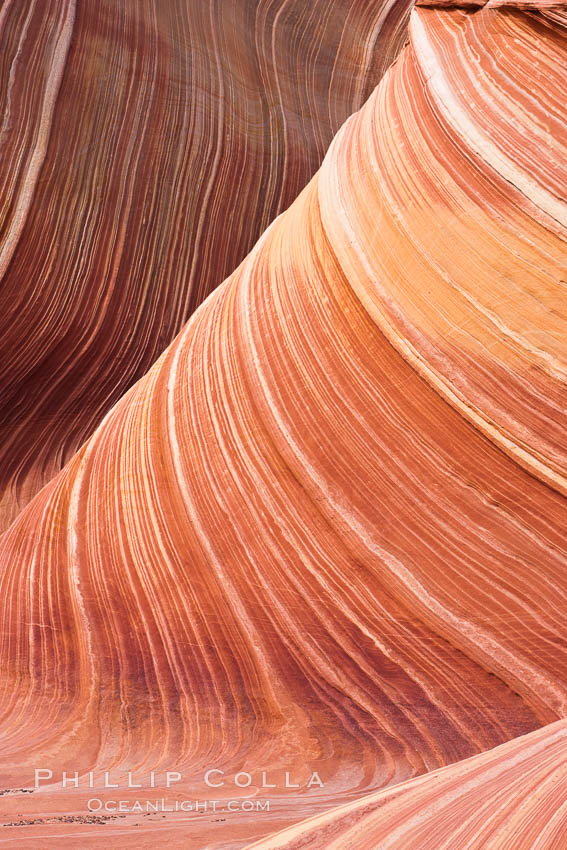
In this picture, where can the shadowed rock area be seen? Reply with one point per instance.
(145, 145)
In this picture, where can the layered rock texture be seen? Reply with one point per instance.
(514, 796)
(327, 530)
(144, 147)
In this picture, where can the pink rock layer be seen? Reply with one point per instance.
(514, 796)
(145, 145)
(327, 530)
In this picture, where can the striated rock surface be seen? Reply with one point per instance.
(144, 147)
(327, 530)
(514, 796)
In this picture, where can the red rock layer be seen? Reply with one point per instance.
(514, 797)
(327, 530)
(144, 147)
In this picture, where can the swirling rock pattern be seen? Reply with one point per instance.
(144, 147)
(327, 530)
(514, 796)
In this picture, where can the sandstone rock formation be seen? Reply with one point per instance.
(144, 147)
(327, 530)
(514, 796)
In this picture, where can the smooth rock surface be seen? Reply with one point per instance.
(327, 530)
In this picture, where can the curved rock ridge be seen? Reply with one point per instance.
(327, 530)
(484, 326)
(144, 147)
(512, 797)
